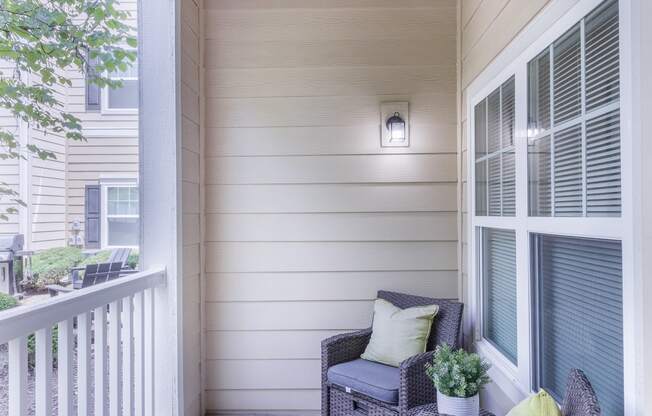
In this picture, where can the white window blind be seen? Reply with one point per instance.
(579, 315)
(573, 121)
(499, 290)
(495, 187)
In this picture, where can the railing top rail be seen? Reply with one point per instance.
(25, 320)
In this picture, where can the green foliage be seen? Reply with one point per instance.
(7, 301)
(43, 41)
(53, 265)
(103, 257)
(99, 257)
(31, 348)
(457, 373)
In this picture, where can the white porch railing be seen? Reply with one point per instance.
(109, 327)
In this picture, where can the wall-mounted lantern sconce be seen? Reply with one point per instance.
(395, 125)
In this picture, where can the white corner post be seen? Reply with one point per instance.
(637, 97)
(160, 192)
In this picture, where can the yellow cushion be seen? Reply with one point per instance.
(398, 334)
(540, 404)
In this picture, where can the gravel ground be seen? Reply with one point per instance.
(30, 385)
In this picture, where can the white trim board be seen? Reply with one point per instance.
(552, 22)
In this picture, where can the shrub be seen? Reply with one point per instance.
(134, 258)
(103, 257)
(31, 348)
(457, 373)
(99, 257)
(53, 265)
(7, 301)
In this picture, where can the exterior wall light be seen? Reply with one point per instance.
(395, 124)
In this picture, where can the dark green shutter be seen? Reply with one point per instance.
(92, 217)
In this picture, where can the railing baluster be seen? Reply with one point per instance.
(100, 360)
(43, 393)
(64, 365)
(127, 356)
(115, 359)
(18, 376)
(149, 347)
(83, 364)
(139, 354)
(124, 374)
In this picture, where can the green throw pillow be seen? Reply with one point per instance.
(540, 404)
(398, 334)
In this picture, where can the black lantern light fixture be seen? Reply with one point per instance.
(396, 128)
(394, 124)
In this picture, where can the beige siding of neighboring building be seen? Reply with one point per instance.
(54, 189)
(486, 27)
(9, 168)
(47, 187)
(192, 204)
(306, 215)
(111, 147)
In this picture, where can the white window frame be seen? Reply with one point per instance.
(516, 381)
(104, 98)
(105, 185)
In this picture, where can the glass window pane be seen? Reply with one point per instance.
(603, 188)
(499, 290)
(568, 172)
(539, 94)
(539, 184)
(112, 208)
(508, 112)
(509, 183)
(493, 122)
(567, 75)
(602, 56)
(580, 316)
(125, 97)
(481, 188)
(480, 113)
(112, 193)
(123, 231)
(494, 186)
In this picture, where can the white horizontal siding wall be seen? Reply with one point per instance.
(306, 215)
(47, 184)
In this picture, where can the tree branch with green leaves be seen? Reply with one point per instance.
(43, 41)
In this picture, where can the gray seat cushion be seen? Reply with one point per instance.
(378, 381)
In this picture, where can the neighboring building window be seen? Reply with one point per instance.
(124, 98)
(494, 153)
(499, 290)
(579, 315)
(574, 121)
(122, 221)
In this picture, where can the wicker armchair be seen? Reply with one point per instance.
(415, 387)
(580, 398)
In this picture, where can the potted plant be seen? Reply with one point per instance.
(458, 377)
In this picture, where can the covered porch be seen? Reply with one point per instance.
(275, 202)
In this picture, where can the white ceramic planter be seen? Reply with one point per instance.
(458, 406)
